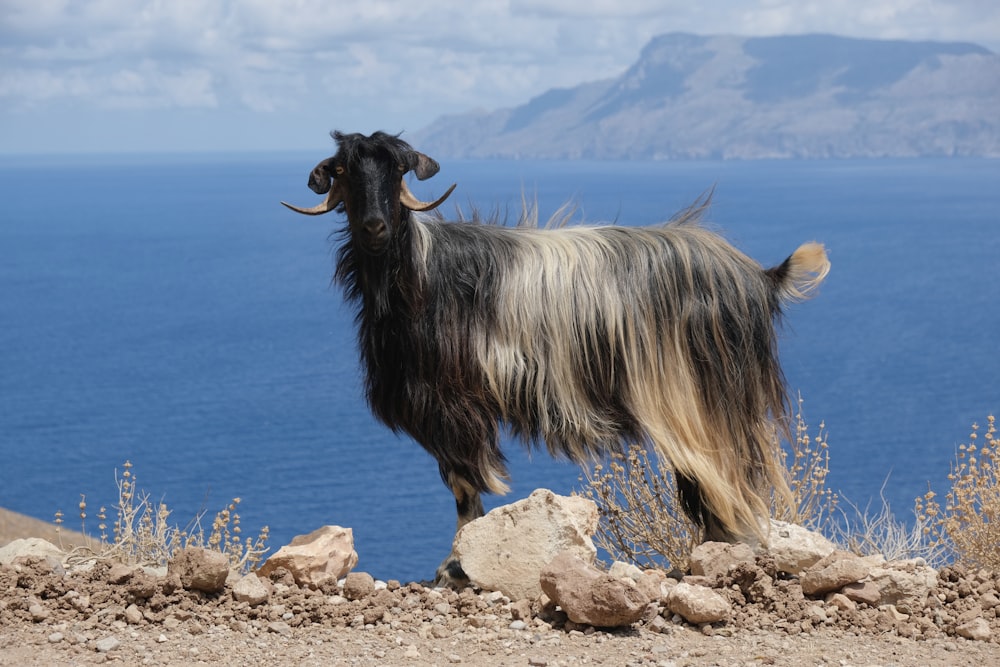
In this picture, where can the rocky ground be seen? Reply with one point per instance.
(112, 613)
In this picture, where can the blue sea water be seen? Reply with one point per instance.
(167, 311)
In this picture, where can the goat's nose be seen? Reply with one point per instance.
(376, 226)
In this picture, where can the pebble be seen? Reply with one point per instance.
(38, 612)
(107, 644)
(279, 627)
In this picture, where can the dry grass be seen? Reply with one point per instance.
(967, 527)
(867, 533)
(143, 535)
(643, 523)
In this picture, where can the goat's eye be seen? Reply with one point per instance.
(401, 168)
(339, 170)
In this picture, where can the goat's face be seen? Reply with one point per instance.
(366, 179)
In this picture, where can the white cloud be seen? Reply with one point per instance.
(390, 63)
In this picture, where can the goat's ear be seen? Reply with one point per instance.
(321, 177)
(424, 167)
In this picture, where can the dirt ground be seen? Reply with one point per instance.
(99, 616)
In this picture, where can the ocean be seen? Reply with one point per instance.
(166, 310)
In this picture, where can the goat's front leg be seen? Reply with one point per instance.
(469, 505)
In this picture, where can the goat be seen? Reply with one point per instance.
(584, 338)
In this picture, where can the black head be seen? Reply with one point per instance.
(365, 180)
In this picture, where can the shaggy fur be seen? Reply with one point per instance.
(580, 339)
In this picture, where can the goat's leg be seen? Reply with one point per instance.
(689, 494)
(469, 506)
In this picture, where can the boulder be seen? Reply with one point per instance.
(833, 573)
(711, 559)
(507, 549)
(697, 604)
(200, 569)
(795, 548)
(589, 596)
(321, 556)
(904, 584)
(31, 546)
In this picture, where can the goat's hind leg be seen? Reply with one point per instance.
(689, 494)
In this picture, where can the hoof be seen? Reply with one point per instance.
(451, 575)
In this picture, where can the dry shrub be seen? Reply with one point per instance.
(142, 534)
(642, 521)
(968, 526)
(867, 533)
(807, 461)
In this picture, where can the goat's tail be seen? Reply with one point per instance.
(798, 276)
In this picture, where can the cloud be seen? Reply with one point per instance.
(389, 63)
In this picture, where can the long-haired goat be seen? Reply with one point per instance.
(584, 338)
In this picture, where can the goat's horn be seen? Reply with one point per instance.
(407, 199)
(326, 206)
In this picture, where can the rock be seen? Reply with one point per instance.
(321, 556)
(38, 611)
(358, 585)
(833, 573)
(863, 592)
(279, 628)
(795, 548)
(120, 573)
(905, 584)
(842, 602)
(507, 549)
(648, 581)
(977, 629)
(589, 596)
(133, 616)
(697, 604)
(622, 570)
(253, 590)
(200, 569)
(107, 644)
(710, 559)
(521, 610)
(31, 546)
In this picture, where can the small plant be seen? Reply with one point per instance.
(142, 534)
(642, 521)
(968, 526)
(807, 461)
(866, 533)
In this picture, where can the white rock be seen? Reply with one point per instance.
(507, 549)
(697, 604)
(253, 590)
(324, 554)
(795, 548)
(30, 546)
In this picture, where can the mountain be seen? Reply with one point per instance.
(731, 97)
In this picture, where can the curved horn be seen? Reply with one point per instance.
(332, 199)
(407, 199)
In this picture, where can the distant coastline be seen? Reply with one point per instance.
(691, 97)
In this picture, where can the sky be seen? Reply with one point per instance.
(234, 75)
